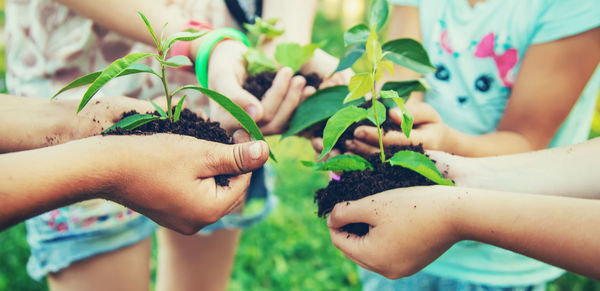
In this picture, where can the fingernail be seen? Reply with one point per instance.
(252, 111)
(359, 134)
(255, 150)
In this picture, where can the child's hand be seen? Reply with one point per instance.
(428, 130)
(227, 73)
(409, 228)
(171, 187)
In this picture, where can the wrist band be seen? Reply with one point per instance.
(210, 40)
(182, 48)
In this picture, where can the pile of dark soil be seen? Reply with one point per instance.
(258, 84)
(358, 184)
(189, 124)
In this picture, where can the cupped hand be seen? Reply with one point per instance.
(226, 75)
(408, 229)
(101, 113)
(176, 187)
(428, 129)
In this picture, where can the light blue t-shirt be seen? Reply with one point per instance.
(478, 51)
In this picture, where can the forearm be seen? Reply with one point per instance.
(564, 171)
(35, 181)
(296, 17)
(122, 17)
(557, 230)
(29, 123)
(490, 144)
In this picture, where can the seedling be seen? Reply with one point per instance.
(290, 54)
(129, 65)
(380, 58)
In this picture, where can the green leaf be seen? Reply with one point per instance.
(293, 55)
(90, 78)
(405, 88)
(345, 163)
(235, 110)
(407, 118)
(378, 13)
(358, 34)
(160, 111)
(309, 164)
(264, 27)
(420, 164)
(133, 122)
(381, 113)
(149, 27)
(351, 55)
(178, 109)
(115, 69)
(338, 123)
(360, 84)
(177, 61)
(383, 64)
(374, 52)
(318, 107)
(181, 36)
(258, 62)
(408, 53)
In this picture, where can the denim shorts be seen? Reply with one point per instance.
(76, 232)
(426, 282)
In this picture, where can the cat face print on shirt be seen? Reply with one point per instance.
(474, 77)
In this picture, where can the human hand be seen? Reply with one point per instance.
(173, 189)
(227, 72)
(324, 64)
(428, 130)
(408, 229)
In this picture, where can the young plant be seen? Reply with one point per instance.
(129, 65)
(403, 52)
(290, 54)
(379, 59)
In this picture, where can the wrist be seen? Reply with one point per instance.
(205, 49)
(103, 170)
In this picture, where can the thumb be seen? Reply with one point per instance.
(237, 158)
(350, 212)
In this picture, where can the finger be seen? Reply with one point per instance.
(421, 112)
(232, 88)
(241, 136)
(344, 213)
(349, 244)
(317, 144)
(228, 198)
(275, 95)
(307, 92)
(288, 106)
(234, 159)
(361, 148)
(367, 134)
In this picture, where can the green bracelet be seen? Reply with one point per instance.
(211, 39)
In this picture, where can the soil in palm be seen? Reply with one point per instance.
(189, 124)
(359, 184)
(258, 84)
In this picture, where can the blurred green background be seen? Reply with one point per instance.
(291, 250)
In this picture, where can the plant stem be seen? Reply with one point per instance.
(163, 77)
(373, 99)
